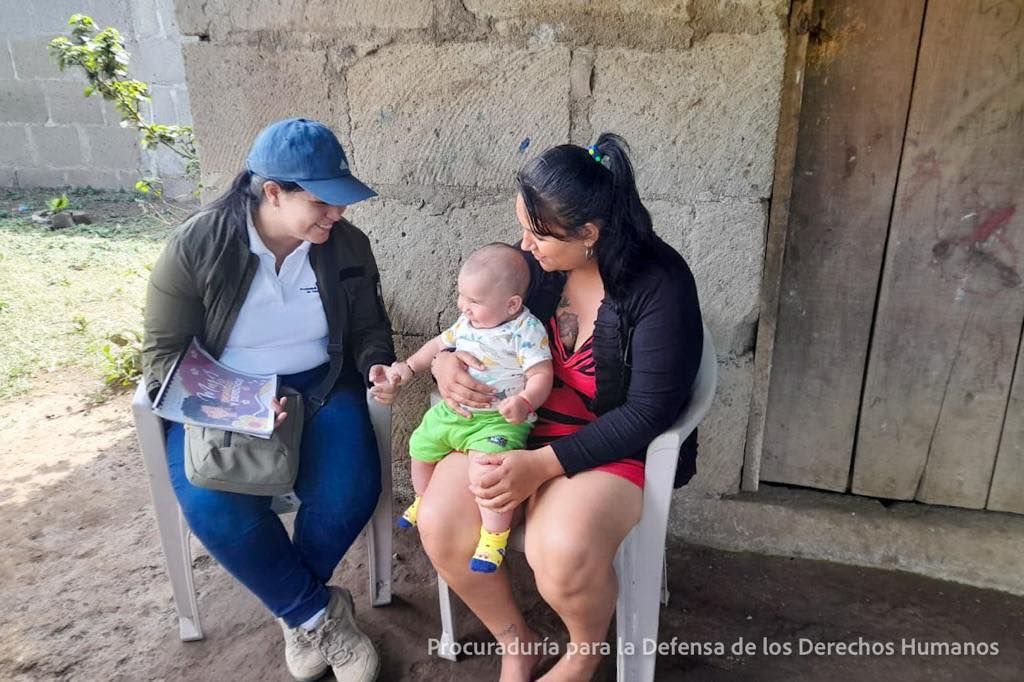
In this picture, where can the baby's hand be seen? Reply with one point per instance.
(398, 373)
(514, 410)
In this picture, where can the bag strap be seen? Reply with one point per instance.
(316, 398)
(336, 313)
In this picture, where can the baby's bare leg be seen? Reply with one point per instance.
(421, 473)
(490, 550)
(491, 520)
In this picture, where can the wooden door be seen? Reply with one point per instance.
(859, 73)
(951, 305)
(897, 363)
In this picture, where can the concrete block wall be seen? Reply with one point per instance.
(53, 136)
(439, 102)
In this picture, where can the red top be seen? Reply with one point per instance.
(568, 408)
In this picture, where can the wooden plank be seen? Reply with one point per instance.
(950, 310)
(1007, 490)
(859, 79)
(775, 242)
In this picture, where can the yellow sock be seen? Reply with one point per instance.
(489, 551)
(408, 519)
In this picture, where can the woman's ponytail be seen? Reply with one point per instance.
(628, 231)
(245, 189)
(568, 186)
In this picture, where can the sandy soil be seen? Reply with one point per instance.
(83, 593)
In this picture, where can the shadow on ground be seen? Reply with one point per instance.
(85, 596)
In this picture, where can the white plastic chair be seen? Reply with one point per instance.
(637, 610)
(174, 531)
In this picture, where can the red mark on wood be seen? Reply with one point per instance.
(975, 257)
(994, 222)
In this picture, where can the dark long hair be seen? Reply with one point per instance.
(567, 187)
(245, 189)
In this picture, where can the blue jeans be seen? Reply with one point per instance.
(338, 484)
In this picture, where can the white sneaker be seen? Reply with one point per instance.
(340, 641)
(301, 655)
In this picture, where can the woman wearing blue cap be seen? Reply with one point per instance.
(271, 279)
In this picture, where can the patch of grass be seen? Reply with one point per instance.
(65, 293)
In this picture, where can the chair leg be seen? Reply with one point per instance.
(447, 648)
(637, 610)
(664, 578)
(379, 552)
(170, 523)
(378, 532)
(183, 585)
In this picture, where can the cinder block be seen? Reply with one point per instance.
(723, 433)
(418, 255)
(639, 24)
(15, 148)
(467, 115)
(701, 122)
(192, 17)
(161, 105)
(113, 148)
(17, 18)
(179, 189)
(182, 105)
(168, 164)
(98, 179)
(147, 24)
(168, 19)
(32, 60)
(6, 64)
(505, 9)
(116, 13)
(723, 242)
(158, 60)
(23, 102)
(68, 104)
(737, 16)
(40, 176)
(57, 146)
(236, 91)
(218, 17)
(51, 18)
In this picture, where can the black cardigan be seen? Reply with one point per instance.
(647, 349)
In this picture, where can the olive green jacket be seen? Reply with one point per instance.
(203, 275)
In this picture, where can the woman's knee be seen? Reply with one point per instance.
(564, 564)
(224, 519)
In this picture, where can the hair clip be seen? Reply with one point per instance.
(593, 152)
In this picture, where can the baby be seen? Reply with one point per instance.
(498, 330)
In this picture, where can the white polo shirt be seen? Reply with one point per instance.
(281, 327)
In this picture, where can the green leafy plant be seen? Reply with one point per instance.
(102, 57)
(58, 204)
(123, 354)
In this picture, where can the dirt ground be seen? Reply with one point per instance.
(83, 593)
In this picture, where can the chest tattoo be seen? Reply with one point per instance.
(568, 325)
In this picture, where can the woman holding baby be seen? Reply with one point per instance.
(621, 311)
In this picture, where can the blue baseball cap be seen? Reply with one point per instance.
(307, 153)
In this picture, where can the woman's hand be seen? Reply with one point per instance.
(383, 391)
(278, 405)
(455, 384)
(516, 476)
